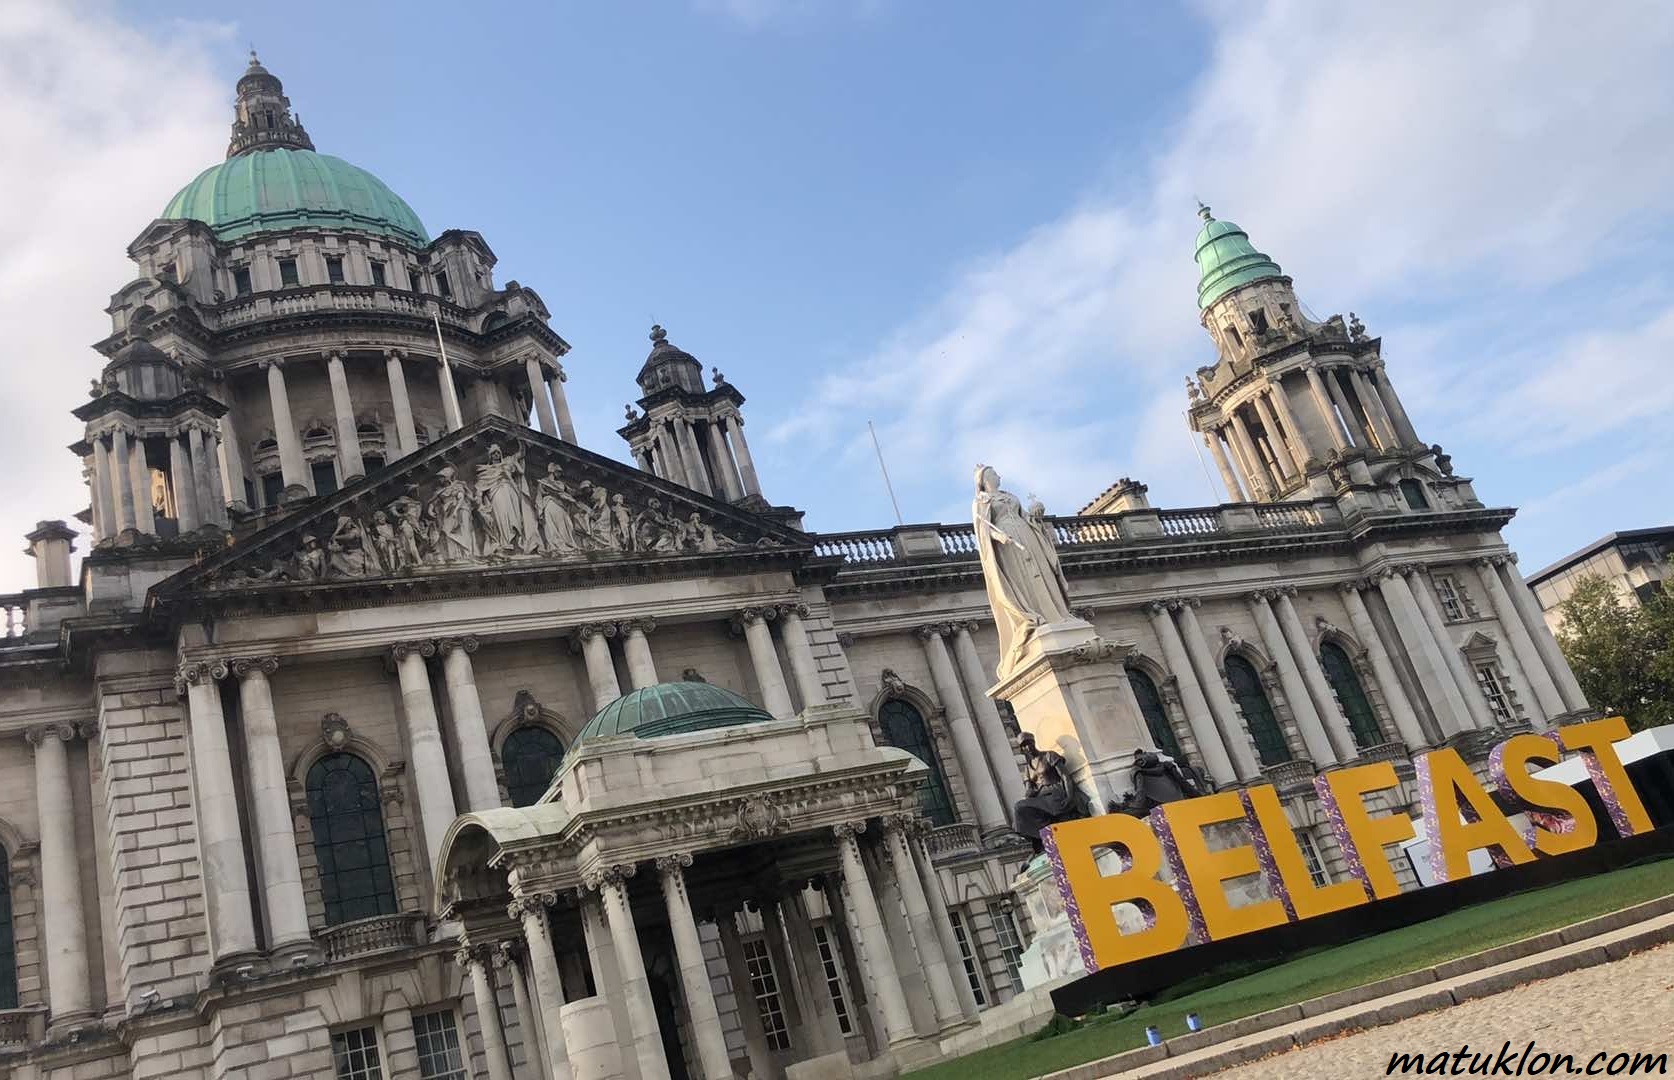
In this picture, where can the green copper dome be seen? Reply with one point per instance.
(287, 188)
(672, 709)
(1226, 259)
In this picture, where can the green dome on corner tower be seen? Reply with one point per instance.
(673, 708)
(273, 179)
(1226, 259)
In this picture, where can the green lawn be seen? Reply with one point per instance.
(1227, 994)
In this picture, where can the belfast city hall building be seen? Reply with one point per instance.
(385, 731)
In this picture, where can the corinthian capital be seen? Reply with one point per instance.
(245, 666)
(848, 830)
(673, 864)
(614, 874)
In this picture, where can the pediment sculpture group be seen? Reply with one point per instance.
(495, 516)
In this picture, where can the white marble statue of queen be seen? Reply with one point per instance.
(1026, 585)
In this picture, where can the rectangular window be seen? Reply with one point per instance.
(241, 281)
(377, 272)
(765, 985)
(437, 1039)
(334, 269)
(833, 977)
(372, 462)
(1258, 320)
(273, 485)
(354, 1054)
(1452, 604)
(1011, 943)
(287, 272)
(967, 956)
(1499, 702)
(325, 477)
(442, 286)
(1311, 856)
(415, 279)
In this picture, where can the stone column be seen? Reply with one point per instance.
(343, 414)
(1391, 403)
(103, 472)
(725, 471)
(1260, 483)
(812, 991)
(1226, 752)
(765, 659)
(528, 1017)
(65, 940)
(139, 482)
(1334, 387)
(270, 807)
(674, 463)
(566, 426)
(120, 479)
(406, 433)
(232, 476)
(741, 453)
(226, 885)
(1535, 623)
(1301, 705)
(476, 759)
(1377, 651)
(931, 883)
(530, 912)
(1229, 478)
(882, 980)
(743, 992)
(424, 739)
(1425, 592)
(611, 883)
(694, 970)
(937, 970)
(1382, 426)
(803, 669)
(699, 476)
(1316, 387)
(1325, 700)
(475, 961)
(185, 486)
(291, 463)
(642, 459)
(985, 799)
(1522, 645)
(1424, 652)
(996, 743)
(642, 671)
(206, 477)
(1281, 445)
(601, 669)
(537, 390)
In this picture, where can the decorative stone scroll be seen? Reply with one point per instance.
(493, 507)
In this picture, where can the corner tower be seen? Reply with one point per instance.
(1296, 408)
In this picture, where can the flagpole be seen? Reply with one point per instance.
(451, 394)
(885, 470)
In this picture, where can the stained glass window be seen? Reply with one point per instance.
(904, 727)
(1258, 711)
(349, 842)
(531, 755)
(1156, 717)
(1340, 673)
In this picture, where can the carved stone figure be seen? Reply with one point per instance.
(452, 515)
(310, 559)
(1157, 780)
(1049, 795)
(508, 514)
(710, 540)
(621, 522)
(384, 542)
(348, 554)
(554, 506)
(1026, 585)
(409, 533)
(1356, 328)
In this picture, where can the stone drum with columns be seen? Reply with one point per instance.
(382, 729)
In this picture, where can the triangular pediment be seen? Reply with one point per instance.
(496, 499)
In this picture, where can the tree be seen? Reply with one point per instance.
(1622, 655)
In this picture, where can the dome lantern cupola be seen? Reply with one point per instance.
(262, 115)
(1226, 259)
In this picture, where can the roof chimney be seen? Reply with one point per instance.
(51, 544)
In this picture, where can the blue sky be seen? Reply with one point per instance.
(970, 223)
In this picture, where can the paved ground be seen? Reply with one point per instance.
(1626, 1005)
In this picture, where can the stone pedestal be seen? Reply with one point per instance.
(1053, 955)
(1071, 692)
(590, 1037)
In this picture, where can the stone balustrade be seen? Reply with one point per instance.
(1290, 776)
(375, 934)
(310, 298)
(949, 841)
(22, 1027)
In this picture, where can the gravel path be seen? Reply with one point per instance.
(1627, 1006)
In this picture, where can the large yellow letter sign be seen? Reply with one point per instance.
(1460, 817)
(1593, 739)
(1091, 896)
(1362, 836)
(1201, 873)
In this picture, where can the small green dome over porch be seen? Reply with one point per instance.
(673, 708)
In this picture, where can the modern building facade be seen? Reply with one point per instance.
(1634, 561)
(386, 731)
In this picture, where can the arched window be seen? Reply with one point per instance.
(904, 727)
(1258, 711)
(8, 949)
(1340, 673)
(349, 842)
(1156, 717)
(531, 755)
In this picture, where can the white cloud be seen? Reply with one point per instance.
(1452, 165)
(101, 123)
